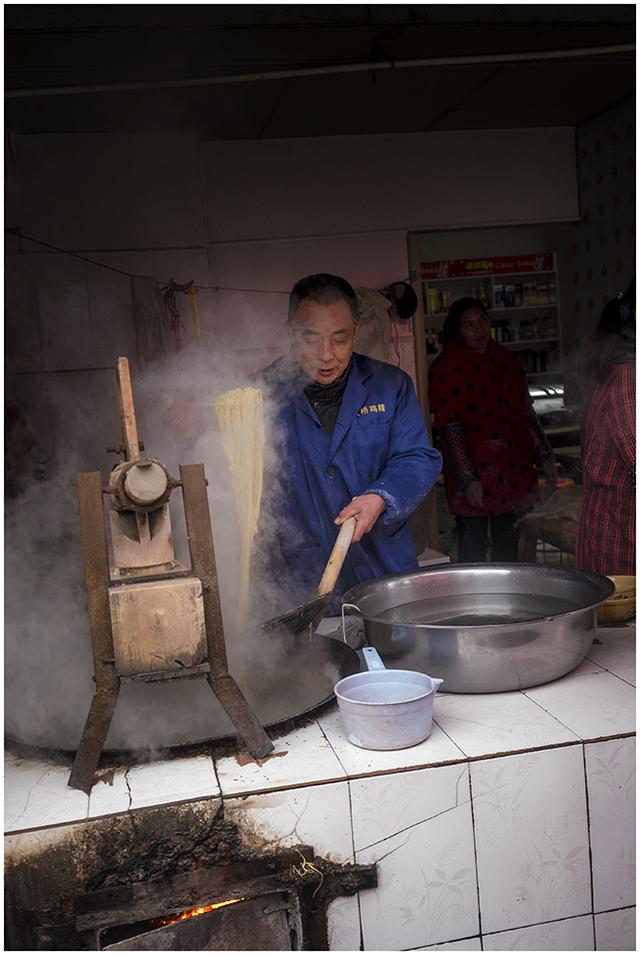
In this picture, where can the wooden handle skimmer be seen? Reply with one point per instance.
(337, 557)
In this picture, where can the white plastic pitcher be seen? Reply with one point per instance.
(386, 709)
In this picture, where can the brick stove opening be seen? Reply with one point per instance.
(186, 914)
(123, 883)
(266, 923)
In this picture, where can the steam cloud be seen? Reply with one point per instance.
(49, 661)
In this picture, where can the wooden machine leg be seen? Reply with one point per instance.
(96, 573)
(94, 735)
(203, 564)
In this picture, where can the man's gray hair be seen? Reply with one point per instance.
(324, 289)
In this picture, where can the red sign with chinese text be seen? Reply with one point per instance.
(468, 268)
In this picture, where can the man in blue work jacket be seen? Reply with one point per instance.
(350, 442)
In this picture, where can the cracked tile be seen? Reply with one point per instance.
(36, 794)
(417, 827)
(110, 794)
(385, 806)
(171, 780)
(462, 945)
(530, 821)
(302, 756)
(153, 784)
(313, 815)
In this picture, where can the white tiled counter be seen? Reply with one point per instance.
(511, 827)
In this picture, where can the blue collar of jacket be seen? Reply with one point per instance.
(353, 398)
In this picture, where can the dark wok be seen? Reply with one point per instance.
(284, 681)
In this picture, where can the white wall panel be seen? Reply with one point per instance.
(301, 187)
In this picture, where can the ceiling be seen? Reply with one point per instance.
(56, 55)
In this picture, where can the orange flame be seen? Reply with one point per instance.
(190, 913)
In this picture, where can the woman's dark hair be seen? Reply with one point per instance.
(325, 289)
(451, 326)
(614, 337)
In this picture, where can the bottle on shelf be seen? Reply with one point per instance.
(498, 296)
(433, 299)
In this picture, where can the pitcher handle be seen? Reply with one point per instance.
(372, 659)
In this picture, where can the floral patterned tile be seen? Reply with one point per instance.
(343, 924)
(302, 756)
(567, 935)
(530, 818)
(36, 794)
(612, 800)
(592, 705)
(417, 827)
(616, 931)
(437, 748)
(486, 723)
(319, 816)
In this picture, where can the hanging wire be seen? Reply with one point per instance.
(171, 285)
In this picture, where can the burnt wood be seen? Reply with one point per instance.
(126, 904)
(267, 923)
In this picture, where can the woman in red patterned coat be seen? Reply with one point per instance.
(488, 433)
(606, 540)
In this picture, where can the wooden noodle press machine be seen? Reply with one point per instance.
(150, 617)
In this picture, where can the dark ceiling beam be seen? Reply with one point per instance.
(421, 63)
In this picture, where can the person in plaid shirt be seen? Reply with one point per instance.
(606, 538)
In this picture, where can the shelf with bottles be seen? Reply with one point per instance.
(495, 293)
(519, 293)
(540, 358)
(542, 326)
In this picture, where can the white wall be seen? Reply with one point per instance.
(245, 215)
(355, 184)
(280, 209)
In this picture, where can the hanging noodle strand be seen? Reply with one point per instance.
(241, 420)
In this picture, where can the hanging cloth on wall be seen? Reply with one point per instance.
(150, 319)
(375, 324)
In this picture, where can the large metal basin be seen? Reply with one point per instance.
(482, 628)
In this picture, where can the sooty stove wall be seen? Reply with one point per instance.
(108, 883)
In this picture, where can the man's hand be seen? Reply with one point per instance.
(473, 494)
(366, 509)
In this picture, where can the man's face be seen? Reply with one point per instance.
(323, 338)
